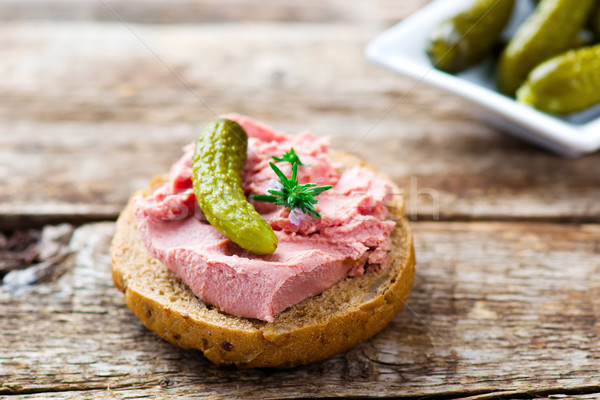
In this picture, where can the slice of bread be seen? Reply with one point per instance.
(346, 314)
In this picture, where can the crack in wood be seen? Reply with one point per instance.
(166, 384)
(535, 393)
(18, 391)
(8, 223)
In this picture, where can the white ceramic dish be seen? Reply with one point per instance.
(402, 49)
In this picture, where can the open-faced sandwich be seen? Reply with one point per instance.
(262, 249)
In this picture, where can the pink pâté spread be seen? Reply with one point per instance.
(312, 254)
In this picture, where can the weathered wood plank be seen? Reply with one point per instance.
(61, 176)
(163, 391)
(193, 11)
(84, 126)
(495, 307)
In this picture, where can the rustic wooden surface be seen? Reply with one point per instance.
(507, 293)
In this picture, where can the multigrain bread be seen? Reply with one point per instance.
(344, 315)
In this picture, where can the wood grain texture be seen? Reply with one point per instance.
(159, 392)
(84, 126)
(194, 11)
(496, 307)
(90, 108)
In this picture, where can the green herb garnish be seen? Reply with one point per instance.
(290, 157)
(290, 193)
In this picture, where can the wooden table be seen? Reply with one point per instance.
(96, 97)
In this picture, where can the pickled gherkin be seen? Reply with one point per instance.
(468, 37)
(564, 84)
(552, 29)
(217, 164)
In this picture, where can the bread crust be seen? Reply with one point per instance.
(346, 314)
